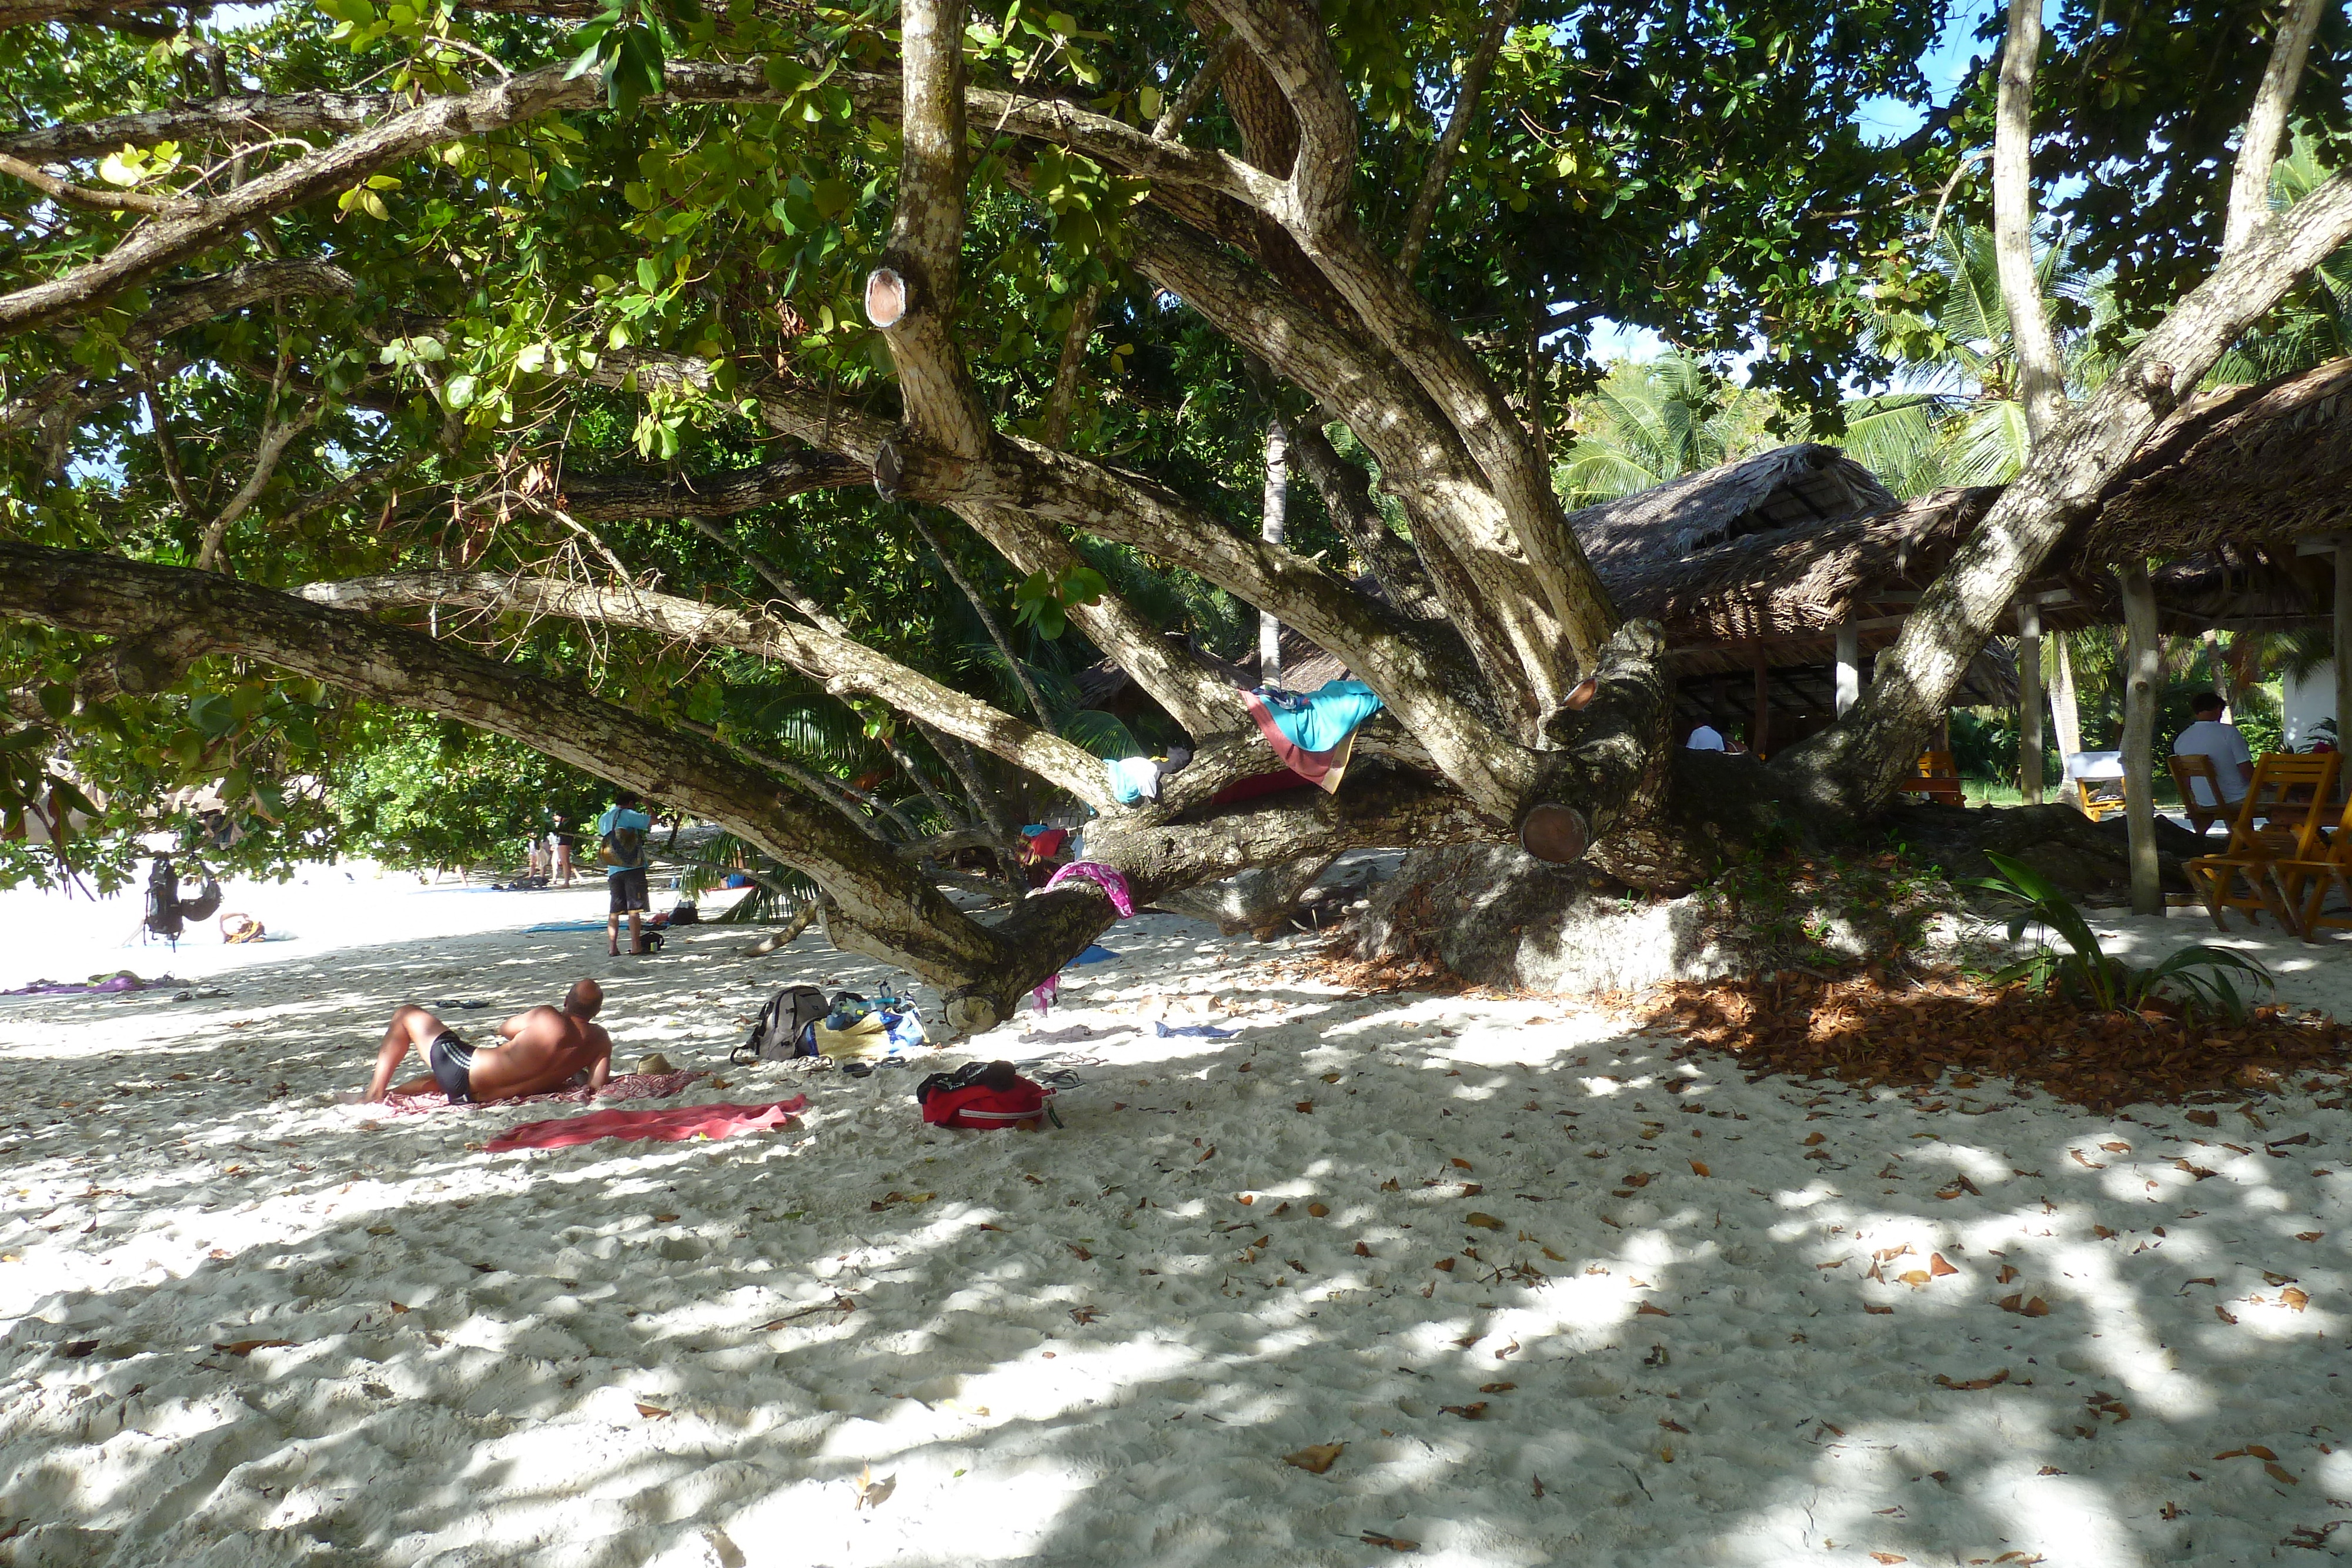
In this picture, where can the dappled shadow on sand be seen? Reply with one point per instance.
(1686, 1319)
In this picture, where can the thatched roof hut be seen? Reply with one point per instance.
(2232, 488)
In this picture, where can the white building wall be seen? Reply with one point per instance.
(2305, 703)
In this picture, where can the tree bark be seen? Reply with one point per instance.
(2029, 700)
(2065, 718)
(1449, 142)
(2041, 376)
(2258, 145)
(2143, 675)
(1274, 528)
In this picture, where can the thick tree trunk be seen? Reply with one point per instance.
(1274, 527)
(2065, 717)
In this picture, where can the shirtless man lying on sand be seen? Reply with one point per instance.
(544, 1049)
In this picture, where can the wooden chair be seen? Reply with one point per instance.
(2303, 882)
(1938, 779)
(2186, 771)
(2279, 819)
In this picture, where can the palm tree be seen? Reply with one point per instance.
(1648, 421)
(1955, 420)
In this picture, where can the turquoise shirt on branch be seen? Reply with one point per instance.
(615, 819)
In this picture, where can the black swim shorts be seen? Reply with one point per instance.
(452, 1060)
(628, 890)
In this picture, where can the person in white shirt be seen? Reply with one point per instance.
(2233, 765)
(1706, 737)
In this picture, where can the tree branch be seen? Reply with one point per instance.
(275, 439)
(2041, 376)
(889, 910)
(987, 618)
(844, 666)
(626, 497)
(2258, 145)
(1449, 144)
(102, 201)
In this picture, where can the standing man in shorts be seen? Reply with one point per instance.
(622, 833)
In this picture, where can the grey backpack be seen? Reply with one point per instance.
(783, 1029)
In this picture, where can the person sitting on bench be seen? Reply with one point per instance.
(545, 1049)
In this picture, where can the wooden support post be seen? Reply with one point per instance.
(2343, 645)
(2141, 680)
(1760, 740)
(2028, 701)
(1849, 667)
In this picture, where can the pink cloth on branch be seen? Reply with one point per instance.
(624, 1086)
(672, 1123)
(1111, 880)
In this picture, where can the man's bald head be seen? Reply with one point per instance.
(584, 1000)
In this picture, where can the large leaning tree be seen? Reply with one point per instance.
(438, 355)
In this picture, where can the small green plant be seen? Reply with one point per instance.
(2200, 978)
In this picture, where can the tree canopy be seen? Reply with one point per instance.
(790, 401)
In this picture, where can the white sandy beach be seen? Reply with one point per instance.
(1661, 1338)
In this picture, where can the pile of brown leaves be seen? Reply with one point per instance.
(1861, 1030)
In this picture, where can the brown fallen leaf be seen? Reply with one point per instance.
(1394, 1544)
(1444, 1265)
(1812, 1139)
(1245, 1198)
(2085, 1160)
(2103, 1233)
(1698, 1167)
(2116, 1146)
(2206, 1118)
(1316, 1458)
(651, 1412)
(2269, 1277)
(1080, 1253)
(664, 1218)
(1468, 1412)
(1880, 1312)
(1462, 1165)
(1331, 1078)
(872, 1493)
(2223, 1313)
(1389, 1185)
(2006, 1275)
(1938, 1268)
(381, 1229)
(2309, 1235)
(1305, 1107)
(1550, 1254)
(1646, 1310)
(2258, 1451)
(1995, 1381)
(1281, 1208)
(1363, 1250)
(2025, 1306)
(1497, 1387)
(2294, 1298)
(1207, 1155)
(396, 1306)
(1319, 1210)
(1085, 1314)
(1636, 1178)
(1483, 1221)
(1672, 1425)
(2279, 1472)
(1888, 1557)
(1915, 1277)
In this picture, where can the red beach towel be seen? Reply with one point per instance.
(672, 1123)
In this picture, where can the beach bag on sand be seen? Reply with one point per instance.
(981, 1095)
(781, 1032)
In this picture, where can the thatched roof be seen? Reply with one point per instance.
(2225, 486)
(1791, 487)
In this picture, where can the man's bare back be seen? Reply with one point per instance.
(545, 1048)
